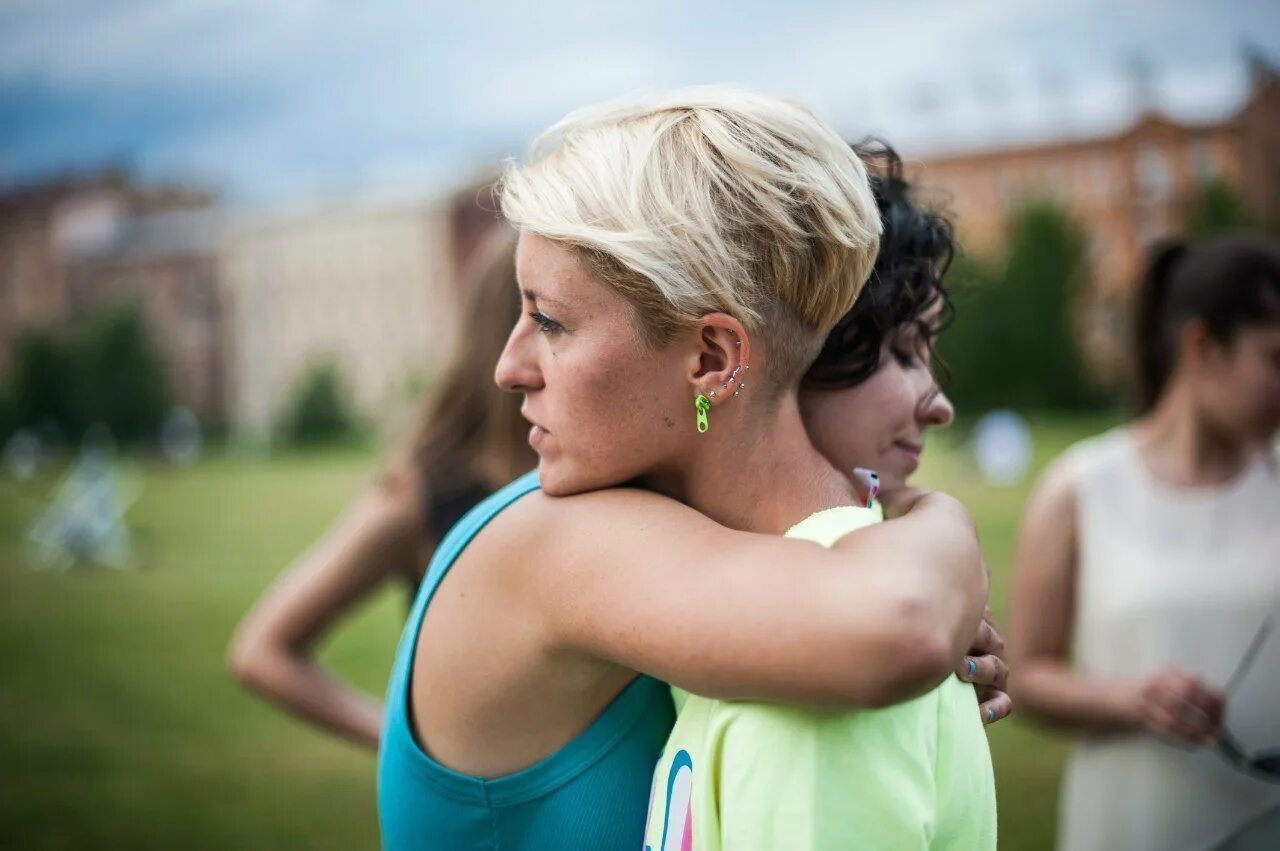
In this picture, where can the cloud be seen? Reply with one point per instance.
(278, 98)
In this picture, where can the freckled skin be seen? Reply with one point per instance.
(578, 377)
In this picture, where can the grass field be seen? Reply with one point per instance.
(120, 728)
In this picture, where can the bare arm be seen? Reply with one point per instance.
(1045, 684)
(647, 583)
(271, 653)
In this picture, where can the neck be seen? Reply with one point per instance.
(756, 470)
(1183, 446)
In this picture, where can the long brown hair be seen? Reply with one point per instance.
(469, 429)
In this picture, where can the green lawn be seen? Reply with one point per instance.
(119, 726)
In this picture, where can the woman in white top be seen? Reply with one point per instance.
(1148, 560)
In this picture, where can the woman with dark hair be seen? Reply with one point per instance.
(737, 774)
(1151, 551)
(875, 388)
(469, 441)
(871, 394)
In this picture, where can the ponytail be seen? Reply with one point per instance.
(1154, 352)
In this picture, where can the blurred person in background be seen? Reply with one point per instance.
(470, 441)
(1149, 559)
(519, 719)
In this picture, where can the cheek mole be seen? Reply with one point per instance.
(670, 422)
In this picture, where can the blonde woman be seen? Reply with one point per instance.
(470, 441)
(681, 258)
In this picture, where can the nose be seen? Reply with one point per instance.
(937, 410)
(517, 369)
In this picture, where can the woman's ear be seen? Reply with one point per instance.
(720, 364)
(1198, 348)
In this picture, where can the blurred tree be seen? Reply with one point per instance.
(107, 371)
(121, 376)
(8, 414)
(319, 412)
(1216, 207)
(43, 384)
(1013, 343)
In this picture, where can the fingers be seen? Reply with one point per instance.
(988, 641)
(994, 705)
(987, 671)
(1182, 706)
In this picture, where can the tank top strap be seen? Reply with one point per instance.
(640, 712)
(456, 539)
(446, 553)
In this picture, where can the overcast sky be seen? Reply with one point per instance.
(272, 101)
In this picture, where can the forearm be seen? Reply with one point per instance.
(1052, 693)
(301, 687)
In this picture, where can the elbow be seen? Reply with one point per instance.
(249, 661)
(919, 655)
(926, 655)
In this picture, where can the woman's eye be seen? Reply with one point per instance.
(546, 324)
(905, 357)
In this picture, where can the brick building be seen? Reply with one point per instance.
(70, 246)
(1126, 188)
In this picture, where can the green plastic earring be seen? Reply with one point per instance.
(702, 404)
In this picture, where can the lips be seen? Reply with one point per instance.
(537, 433)
(911, 450)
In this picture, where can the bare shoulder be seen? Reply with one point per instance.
(543, 529)
(1055, 489)
(1048, 536)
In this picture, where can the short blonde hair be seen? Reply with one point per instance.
(708, 199)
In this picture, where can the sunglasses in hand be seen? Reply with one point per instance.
(1263, 764)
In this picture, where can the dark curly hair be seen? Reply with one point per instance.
(916, 249)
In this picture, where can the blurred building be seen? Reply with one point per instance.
(1127, 188)
(71, 246)
(167, 262)
(369, 287)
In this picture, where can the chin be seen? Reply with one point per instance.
(558, 478)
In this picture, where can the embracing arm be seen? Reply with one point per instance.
(657, 587)
(271, 653)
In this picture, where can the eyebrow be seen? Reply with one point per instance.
(534, 295)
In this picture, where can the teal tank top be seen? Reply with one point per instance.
(592, 793)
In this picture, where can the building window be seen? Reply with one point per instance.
(1204, 166)
(1154, 176)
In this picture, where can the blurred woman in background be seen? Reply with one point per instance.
(470, 441)
(1152, 551)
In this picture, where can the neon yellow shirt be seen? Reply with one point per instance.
(744, 775)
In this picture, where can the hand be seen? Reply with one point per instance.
(986, 668)
(1178, 705)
